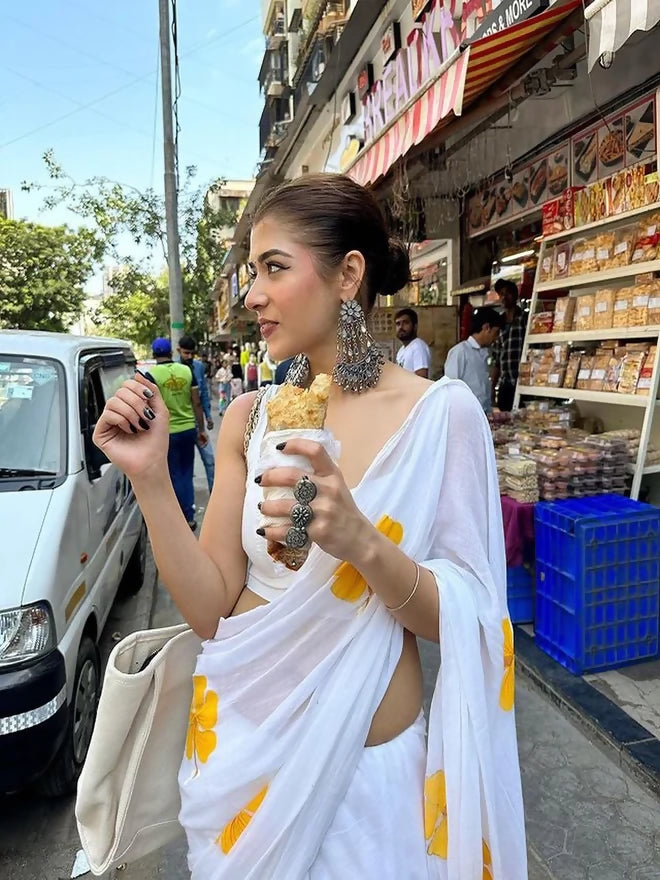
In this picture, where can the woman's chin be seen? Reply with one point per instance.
(279, 351)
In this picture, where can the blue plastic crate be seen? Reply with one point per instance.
(597, 581)
(520, 594)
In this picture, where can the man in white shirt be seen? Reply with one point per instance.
(414, 354)
(469, 359)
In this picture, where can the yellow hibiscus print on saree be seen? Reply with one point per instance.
(201, 739)
(507, 691)
(488, 862)
(349, 584)
(233, 830)
(435, 815)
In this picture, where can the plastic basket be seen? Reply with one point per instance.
(520, 594)
(597, 581)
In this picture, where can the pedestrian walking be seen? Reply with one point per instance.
(187, 350)
(223, 378)
(179, 393)
(414, 354)
(236, 383)
(468, 361)
(307, 754)
(252, 374)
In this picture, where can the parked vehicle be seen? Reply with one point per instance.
(71, 533)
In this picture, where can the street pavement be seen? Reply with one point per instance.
(586, 819)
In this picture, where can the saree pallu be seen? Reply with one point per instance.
(285, 694)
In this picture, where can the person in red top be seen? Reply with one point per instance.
(465, 313)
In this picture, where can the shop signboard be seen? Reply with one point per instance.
(348, 108)
(427, 48)
(390, 42)
(505, 15)
(365, 80)
(418, 7)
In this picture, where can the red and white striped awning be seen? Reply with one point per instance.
(471, 73)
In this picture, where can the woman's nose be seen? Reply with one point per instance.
(255, 299)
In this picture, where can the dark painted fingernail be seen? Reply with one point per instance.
(261, 533)
(259, 505)
(143, 424)
(149, 413)
(280, 446)
(148, 393)
(133, 428)
(258, 479)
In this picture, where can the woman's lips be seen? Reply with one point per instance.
(267, 328)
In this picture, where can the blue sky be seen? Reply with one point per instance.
(59, 55)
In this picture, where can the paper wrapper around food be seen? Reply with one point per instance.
(294, 413)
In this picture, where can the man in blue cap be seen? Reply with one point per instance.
(180, 392)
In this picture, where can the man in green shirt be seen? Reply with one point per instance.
(180, 392)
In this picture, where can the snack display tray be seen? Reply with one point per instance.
(608, 221)
(640, 400)
(598, 278)
(594, 335)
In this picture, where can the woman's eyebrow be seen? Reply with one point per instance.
(272, 253)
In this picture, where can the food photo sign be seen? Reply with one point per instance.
(622, 141)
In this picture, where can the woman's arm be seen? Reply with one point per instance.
(204, 578)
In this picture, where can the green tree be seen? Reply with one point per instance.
(116, 212)
(42, 273)
(138, 307)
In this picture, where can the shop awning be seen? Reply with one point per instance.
(611, 22)
(463, 79)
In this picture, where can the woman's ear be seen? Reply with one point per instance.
(352, 273)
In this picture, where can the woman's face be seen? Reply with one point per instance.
(297, 309)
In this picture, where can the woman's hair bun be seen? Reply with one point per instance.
(397, 275)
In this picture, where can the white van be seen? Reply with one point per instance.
(70, 533)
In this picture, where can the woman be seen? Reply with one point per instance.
(236, 383)
(223, 378)
(306, 754)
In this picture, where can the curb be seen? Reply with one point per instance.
(632, 746)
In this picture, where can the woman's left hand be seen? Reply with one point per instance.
(337, 525)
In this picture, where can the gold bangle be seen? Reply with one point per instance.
(414, 590)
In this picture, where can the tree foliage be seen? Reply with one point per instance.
(116, 212)
(42, 273)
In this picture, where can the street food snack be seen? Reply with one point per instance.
(294, 409)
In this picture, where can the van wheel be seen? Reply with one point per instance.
(133, 578)
(63, 773)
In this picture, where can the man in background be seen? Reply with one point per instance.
(507, 351)
(414, 354)
(180, 392)
(468, 360)
(187, 348)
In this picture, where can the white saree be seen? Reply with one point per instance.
(285, 694)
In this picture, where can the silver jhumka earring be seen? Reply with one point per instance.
(359, 359)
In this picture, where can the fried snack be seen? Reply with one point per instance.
(293, 408)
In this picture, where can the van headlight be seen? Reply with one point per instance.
(26, 633)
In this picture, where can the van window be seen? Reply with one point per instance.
(32, 415)
(112, 378)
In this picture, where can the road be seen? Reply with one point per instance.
(586, 819)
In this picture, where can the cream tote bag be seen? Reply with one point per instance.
(128, 795)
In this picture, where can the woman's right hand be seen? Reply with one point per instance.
(133, 430)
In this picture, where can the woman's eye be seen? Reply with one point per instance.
(273, 268)
(252, 274)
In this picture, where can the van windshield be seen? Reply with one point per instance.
(32, 435)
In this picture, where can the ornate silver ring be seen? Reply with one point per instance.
(301, 515)
(296, 538)
(305, 491)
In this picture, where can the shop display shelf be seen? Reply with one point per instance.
(618, 218)
(520, 594)
(598, 278)
(597, 581)
(595, 335)
(640, 400)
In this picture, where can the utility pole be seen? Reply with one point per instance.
(171, 197)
